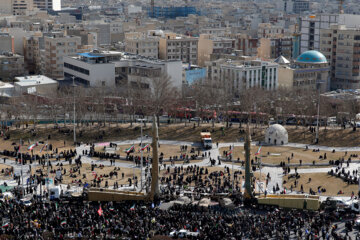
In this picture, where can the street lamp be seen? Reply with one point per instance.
(73, 85)
(318, 111)
(141, 160)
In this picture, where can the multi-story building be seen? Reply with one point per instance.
(268, 30)
(296, 6)
(20, 7)
(142, 45)
(57, 47)
(213, 45)
(47, 4)
(32, 56)
(271, 48)
(341, 46)
(120, 69)
(237, 76)
(6, 43)
(11, 65)
(176, 47)
(247, 44)
(308, 72)
(311, 26)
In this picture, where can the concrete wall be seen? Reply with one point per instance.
(285, 77)
(205, 49)
(174, 71)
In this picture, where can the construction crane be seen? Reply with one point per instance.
(341, 9)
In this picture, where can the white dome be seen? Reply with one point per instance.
(276, 134)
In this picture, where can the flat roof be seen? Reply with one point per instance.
(34, 80)
(90, 55)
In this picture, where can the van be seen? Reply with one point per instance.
(55, 193)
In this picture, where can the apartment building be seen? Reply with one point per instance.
(311, 26)
(213, 45)
(341, 46)
(271, 48)
(268, 30)
(20, 7)
(178, 47)
(237, 76)
(11, 65)
(6, 43)
(142, 45)
(57, 47)
(247, 44)
(47, 4)
(32, 56)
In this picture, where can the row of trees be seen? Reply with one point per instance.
(124, 103)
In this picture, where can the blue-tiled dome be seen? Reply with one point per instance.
(311, 57)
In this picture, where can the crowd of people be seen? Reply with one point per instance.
(138, 220)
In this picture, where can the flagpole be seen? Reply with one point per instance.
(134, 166)
(141, 160)
(22, 176)
(48, 179)
(232, 160)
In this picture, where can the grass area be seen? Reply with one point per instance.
(277, 154)
(330, 183)
(113, 132)
(86, 169)
(167, 149)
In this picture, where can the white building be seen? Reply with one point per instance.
(237, 76)
(119, 69)
(37, 84)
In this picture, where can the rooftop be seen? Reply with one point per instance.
(34, 80)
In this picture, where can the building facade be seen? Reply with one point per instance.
(11, 65)
(237, 76)
(56, 48)
(341, 46)
(213, 45)
(143, 46)
(183, 48)
(271, 48)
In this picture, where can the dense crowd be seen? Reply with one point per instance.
(83, 220)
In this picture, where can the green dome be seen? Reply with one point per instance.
(311, 57)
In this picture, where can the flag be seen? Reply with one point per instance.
(32, 146)
(147, 145)
(132, 208)
(63, 222)
(111, 209)
(5, 225)
(258, 151)
(100, 211)
(229, 153)
(130, 149)
(43, 147)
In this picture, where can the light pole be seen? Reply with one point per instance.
(73, 85)
(318, 112)
(141, 160)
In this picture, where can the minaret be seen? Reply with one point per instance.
(155, 162)
(247, 146)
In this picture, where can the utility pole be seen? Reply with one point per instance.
(73, 78)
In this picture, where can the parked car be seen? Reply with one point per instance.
(195, 119)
